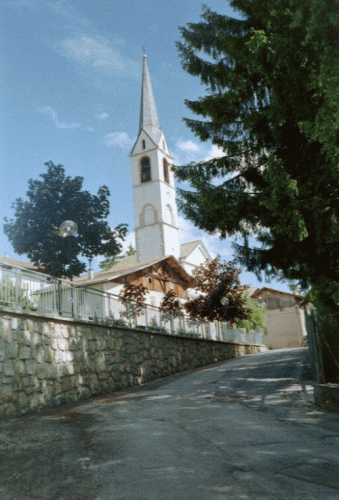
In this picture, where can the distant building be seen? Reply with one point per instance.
(285, 318)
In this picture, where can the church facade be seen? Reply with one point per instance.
(160, 263)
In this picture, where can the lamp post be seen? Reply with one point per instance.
(69, 228)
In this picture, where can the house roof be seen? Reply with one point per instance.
(273, 291)
(129, 265)
(187, 248)
(19, 263)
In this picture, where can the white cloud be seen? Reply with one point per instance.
(99, 53)
(189, 151)
(214, 152)
(54, 116)
(102, 116)
(118, 139)
(64, 9)
(187, 145)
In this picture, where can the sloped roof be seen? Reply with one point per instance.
(187, 248)
(19, 263)
(273, 291)
(129, 265)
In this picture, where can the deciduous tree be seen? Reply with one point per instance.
(35, 229)
(220, 297)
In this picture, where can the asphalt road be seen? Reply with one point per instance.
(243, 429)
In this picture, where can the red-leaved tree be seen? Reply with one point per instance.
(220, 295)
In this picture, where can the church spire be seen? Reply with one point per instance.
(149, 121)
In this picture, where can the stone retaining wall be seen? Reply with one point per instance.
(47, 361)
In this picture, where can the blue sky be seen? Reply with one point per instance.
(70, 93)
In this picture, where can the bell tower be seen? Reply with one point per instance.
(155, 211)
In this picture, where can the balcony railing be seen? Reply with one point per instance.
(23, 289)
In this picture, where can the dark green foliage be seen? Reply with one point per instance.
(272, 106)
(111, 260)
(34, 230)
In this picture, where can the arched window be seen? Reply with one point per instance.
(166, 176)
(145, 169)
(149, 215)
(143, 144)
(168, 214)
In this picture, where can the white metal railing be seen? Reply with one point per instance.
(29, 290)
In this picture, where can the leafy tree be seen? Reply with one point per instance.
(133, 297)
(257, 315)
(272, 106)
(220, 295)
(170, 306)
(52, 200)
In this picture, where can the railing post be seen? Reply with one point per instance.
(17, 287)
(146, 315)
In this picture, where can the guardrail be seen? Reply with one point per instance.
(32, 291)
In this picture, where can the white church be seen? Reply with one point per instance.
(160, 263)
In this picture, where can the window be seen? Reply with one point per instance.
(143, 144)
(145, 169)
(166, 176)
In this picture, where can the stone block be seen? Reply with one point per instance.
(48, 356)
(10, 410)
(69, 356)
(29, 325)
(54, 344)
(19, 367)
(6, 330)
(7, 380)
(14, 323)
(36, 339)
(31, 367)
(24, 353)
(65, 332)
(8, 368)
(62, 344)
(6, 393)
(22, 399)
(100, 362)
(12, 350)
(70, 369)
(41, 372)
(2, 354)
(46, 329)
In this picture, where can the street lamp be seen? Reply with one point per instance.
(69, 228)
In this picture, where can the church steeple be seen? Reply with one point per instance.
(149, 121)
(155, 211)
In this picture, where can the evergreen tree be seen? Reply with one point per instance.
(35, 229)
(272, 106)
(111, 260)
